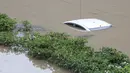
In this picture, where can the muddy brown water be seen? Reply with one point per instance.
(12, 62)
(51, 14)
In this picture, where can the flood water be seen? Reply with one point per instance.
(12, 62)
(51, 14)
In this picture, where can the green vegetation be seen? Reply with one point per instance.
(69, 52)
(126, 69)
(6, 38)
(6, 23)
(27, 25)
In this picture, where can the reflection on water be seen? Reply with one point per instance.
(11, 62)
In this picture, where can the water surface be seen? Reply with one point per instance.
(12, 62)
(51, 14)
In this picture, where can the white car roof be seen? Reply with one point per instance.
(89, 23)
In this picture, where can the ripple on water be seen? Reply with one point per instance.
(20, 63)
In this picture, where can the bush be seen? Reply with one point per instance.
(64, 50)
(27, 25)
(126, 69)
(6, 23)
(71, 53)
(10, 38)
(6, 38)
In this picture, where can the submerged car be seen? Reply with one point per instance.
(88, 24)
